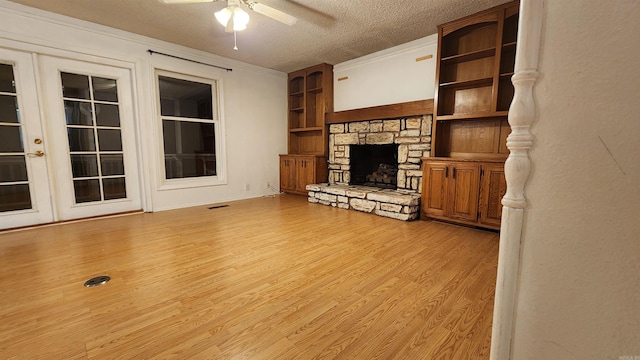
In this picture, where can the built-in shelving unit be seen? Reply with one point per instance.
(475, 62)
(476, 58)
(310, 93)
(310, 99)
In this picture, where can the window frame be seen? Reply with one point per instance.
(219, 130)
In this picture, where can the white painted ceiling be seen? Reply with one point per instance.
(331, 31)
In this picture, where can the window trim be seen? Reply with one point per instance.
(219, 128)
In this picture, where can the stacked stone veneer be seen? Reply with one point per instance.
(396, 204)
(413, 136)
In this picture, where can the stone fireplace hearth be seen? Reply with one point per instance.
(412, 135)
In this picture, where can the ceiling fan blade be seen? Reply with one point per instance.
(184, 1)
(272, 13)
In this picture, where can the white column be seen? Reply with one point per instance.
(517, 167)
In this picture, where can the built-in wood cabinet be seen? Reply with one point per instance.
(466, 192)
(297, 171)
(475, 62)
(492, 189)
(310, 94)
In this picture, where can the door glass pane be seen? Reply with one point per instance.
(104, 89)
(109, 140)
(107, 115)
(9, 109)
(75, 86)
(14, 180)
(185, 98)
(13, 168)
(78, 113)
(10, 139)
(84, 165)
(7, 83)
(14, 197)
(87, 156)
(81, 139)
(112, 164)
(87, 190)
(114, 188)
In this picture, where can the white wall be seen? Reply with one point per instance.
(253, 99)
(387, 77)
(579, 288)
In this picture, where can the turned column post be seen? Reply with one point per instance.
(522, 114)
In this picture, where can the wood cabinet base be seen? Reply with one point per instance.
(298, 171)
(463, 192)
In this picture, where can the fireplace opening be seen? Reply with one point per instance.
(374, 165)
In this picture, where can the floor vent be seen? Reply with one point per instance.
(217, 207)
(97, 281)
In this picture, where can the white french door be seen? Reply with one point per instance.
(92, 145)
(83, 161)
(25, 197)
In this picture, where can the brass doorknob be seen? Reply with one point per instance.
(38, 153)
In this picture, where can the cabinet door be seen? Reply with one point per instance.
(434, 188)
(492, 189)
(305, 173)
(287, 173)
(464, 185)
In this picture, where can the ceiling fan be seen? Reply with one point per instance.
(233, 18)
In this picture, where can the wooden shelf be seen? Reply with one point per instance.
(469, 83)
(473, 116)
(509, 44)
(315, 90)
(298, 130)
(298, 93)
(297, 109)
(412, 108)
(474, 55)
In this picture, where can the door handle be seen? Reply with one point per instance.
(38, 153)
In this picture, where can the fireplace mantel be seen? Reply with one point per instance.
(392, 111)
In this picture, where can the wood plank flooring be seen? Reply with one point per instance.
(267, 278)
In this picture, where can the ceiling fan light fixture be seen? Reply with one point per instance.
(223, 16)
(233, 18)
(240, 19)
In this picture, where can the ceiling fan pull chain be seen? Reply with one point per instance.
(235, 40)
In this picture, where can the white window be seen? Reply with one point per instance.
(191, 129)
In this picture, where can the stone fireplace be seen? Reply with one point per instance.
(412, 135)
(407, 139)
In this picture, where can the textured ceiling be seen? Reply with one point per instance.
(330, 31)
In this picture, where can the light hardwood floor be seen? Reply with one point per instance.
(267, 278)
